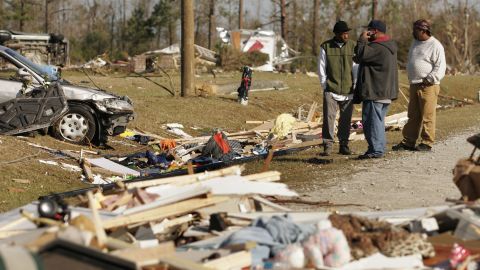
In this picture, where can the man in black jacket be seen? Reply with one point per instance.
(377, 84)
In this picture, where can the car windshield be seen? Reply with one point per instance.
(43, 71)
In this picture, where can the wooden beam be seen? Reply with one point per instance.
(162, 212)
(186, 179)
(271, 204)
(269, 176)
(236, 260)
(99, 231)
(175, 262)
(87, 170)
(146, 256)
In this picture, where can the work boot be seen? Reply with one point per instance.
(327, 150)
(423, 148)
(344, 150)
(370, 156)
(402, 147)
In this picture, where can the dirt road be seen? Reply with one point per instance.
(401, 180)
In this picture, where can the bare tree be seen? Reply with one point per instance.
(314, 27)
(283, 19)
(211, 25)
(240, 14)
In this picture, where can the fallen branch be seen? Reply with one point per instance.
(467, 101)
(171, 91)
(21, 159)
(316, 203)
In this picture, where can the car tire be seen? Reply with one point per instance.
(76, 126)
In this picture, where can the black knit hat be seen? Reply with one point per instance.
(341, 27)
(379, 25)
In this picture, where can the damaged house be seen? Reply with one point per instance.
(264, 41)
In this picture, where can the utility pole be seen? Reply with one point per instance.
(187, 48)
(283, 19)
(374, 9)
(240, 14)
(211, 25)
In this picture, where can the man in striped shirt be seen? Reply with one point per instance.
(426, 67)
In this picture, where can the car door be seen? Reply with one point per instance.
(25, 103)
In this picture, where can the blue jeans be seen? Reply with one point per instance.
(373, 118)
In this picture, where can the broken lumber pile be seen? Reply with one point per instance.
(225, 220)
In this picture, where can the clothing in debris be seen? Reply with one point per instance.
(337, 73)
(426, 67)
(218, 147)
(376, 87)
(271, 235)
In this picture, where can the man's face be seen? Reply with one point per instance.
(342, 37)
(416, 33)
(420, 34)
(372, 34)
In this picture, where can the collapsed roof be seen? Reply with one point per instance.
(264, 41)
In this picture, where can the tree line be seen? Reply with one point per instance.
(122, 28)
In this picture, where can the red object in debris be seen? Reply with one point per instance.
(257, 46)
(458, 255)
(221, 142)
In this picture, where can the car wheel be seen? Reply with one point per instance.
(76, 126)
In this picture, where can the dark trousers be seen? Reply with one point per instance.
(330, 108)
(373, 118)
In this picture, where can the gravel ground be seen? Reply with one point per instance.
(401, 180)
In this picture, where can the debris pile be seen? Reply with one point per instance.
(224, 220)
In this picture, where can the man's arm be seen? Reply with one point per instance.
(439, 65)
(363, 52)
(322, 68)
(354, 74)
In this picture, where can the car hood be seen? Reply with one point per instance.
(75, 92)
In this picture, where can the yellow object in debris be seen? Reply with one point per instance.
(127, 133)
(283, 125)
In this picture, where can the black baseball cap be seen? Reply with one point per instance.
(377, 24)
(341, 27)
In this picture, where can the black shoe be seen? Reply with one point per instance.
(403, 147)
(327, 150)
(369, 156)
(344, 150)
(424, 148)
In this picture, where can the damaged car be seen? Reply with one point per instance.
(34, 97)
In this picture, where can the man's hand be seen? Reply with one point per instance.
(363, 36)
(426, 83)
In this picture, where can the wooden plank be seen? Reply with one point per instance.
(186, 179)
(164, 200)
(255, 122)
(266, 165)
(99, 231)
(175, 262)
(311, 112)
(87, 170)
(236, 260)
(162, 212)
(271, 204)
(304, 144)
(269, 176)
(146, 256)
